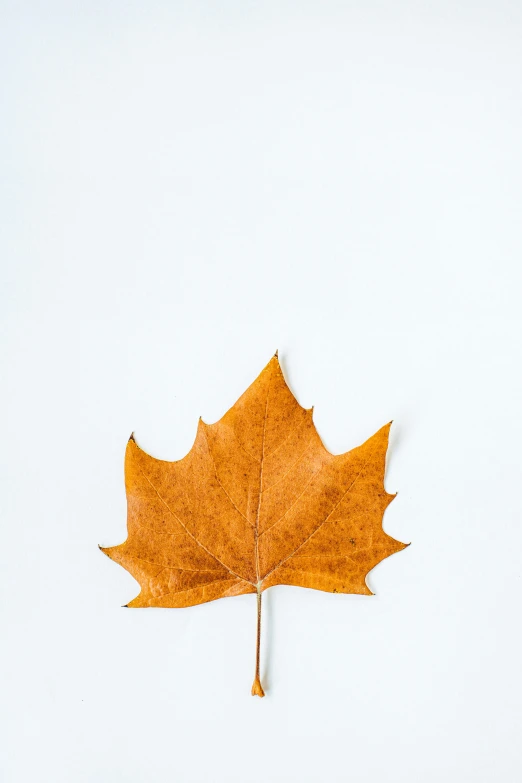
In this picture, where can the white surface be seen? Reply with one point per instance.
(186, 187)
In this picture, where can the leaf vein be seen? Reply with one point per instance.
(295, 501)
(191, 534)
(196, 587)
(222, 486)
(298, 460)
(287, 557)
(292, 432)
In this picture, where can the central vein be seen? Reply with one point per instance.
(256, 528)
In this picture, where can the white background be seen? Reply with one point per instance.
(186, 187)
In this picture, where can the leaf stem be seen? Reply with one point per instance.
(257, 688)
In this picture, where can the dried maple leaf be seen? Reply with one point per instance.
(257, 502)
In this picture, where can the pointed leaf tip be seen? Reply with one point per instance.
(132, 438)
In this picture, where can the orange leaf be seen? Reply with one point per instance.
(257, 502)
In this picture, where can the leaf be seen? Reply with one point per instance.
(257, 502)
